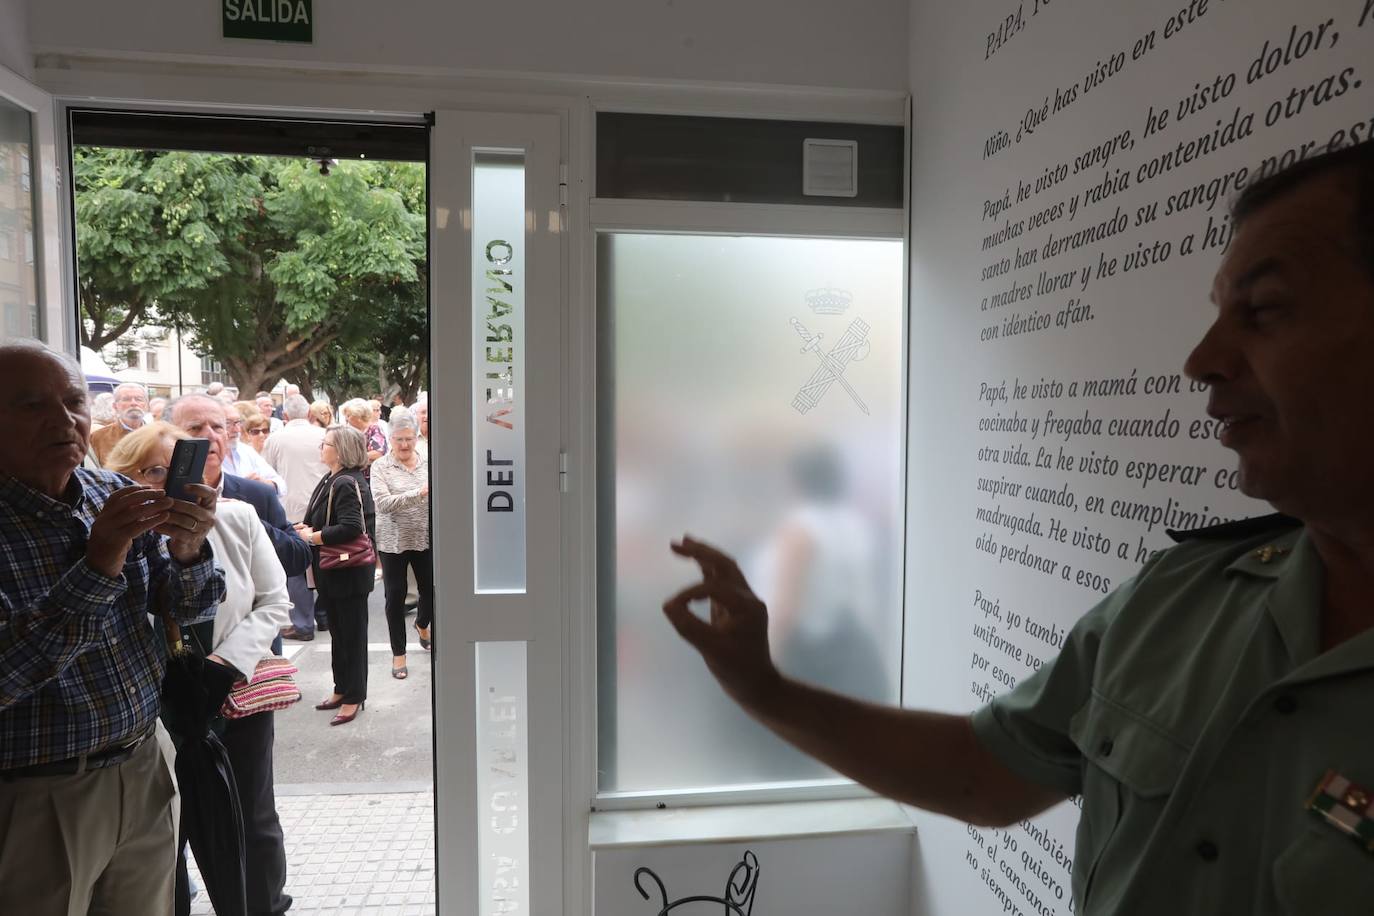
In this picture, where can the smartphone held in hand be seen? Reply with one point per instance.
(188, 466)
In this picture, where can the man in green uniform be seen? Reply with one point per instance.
(1214, 712)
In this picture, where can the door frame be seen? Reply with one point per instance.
(535, 616)
(559, 842)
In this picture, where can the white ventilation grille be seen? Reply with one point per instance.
(830, 168)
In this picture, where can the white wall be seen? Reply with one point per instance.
(858, 44)
(1143, 322)
(14, 37)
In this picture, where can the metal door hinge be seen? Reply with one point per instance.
(563, 472)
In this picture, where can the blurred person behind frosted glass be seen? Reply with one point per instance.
(817, 574)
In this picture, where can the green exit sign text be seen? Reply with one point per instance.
(269, 20)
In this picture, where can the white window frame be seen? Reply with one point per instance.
(535, 616)
(699, 218)
(56, 327)
(562, 886)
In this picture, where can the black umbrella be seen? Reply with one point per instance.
(193, 692)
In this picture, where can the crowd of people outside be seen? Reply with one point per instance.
(288, 490)
(288, 446)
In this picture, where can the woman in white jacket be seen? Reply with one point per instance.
(255, 608)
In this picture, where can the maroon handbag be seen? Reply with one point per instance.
(356, 552)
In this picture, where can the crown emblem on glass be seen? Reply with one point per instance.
(828, 301)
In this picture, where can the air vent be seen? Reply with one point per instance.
(830, 168)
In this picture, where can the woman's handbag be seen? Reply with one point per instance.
(356, 552)
(269, 689)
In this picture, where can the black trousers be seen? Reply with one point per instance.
(348, 643)
(394, 566)
(250, 743)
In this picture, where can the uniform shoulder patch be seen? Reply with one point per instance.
(1240, 529)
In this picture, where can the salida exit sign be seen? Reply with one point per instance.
(269, 20)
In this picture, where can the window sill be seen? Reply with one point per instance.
(739, 823)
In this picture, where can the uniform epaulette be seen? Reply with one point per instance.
(1238, 530)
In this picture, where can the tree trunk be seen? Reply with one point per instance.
(247, 375)
(100, 336)
(301, 376)
(415, 378)
(249, 384)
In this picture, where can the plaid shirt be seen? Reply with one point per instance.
(80, 664)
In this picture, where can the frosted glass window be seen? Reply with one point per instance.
(498, 334)
(503, 839)
(18, 275)
(750, 394)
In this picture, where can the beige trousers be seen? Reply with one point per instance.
(101, 843)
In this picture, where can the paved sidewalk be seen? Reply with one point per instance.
(356, 855)
(390, 742)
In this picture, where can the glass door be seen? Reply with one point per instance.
(495, 416)
(30, 250)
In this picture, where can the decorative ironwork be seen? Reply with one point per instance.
(739, 889)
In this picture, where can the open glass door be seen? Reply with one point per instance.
(495, 417)
(30, 247)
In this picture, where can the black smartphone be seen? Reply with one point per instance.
(188, 466)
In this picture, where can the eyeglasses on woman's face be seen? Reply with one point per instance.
(257, 431)
(154, 475)
(325, 443)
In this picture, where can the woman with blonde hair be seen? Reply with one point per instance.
(255, 606)
(321, 414)
(358, 414)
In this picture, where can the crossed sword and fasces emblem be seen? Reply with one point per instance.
(852, 346)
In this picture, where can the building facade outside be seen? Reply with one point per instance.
(166, 362)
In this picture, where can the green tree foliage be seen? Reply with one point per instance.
(391, 354)
(277, 269)
(152, 225)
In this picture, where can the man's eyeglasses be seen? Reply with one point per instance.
(233, 424)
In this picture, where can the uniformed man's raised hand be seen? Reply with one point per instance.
(734, 642)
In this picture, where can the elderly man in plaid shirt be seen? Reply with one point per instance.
(87, 796)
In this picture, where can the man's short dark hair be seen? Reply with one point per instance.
(1354, 163)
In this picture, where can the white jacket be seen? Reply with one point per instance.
(256, 605)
